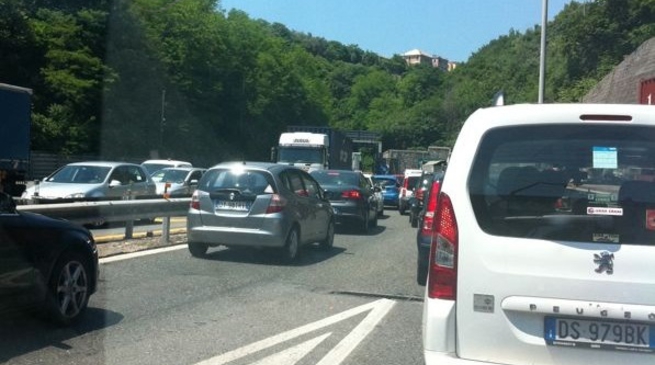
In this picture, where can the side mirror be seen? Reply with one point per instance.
(193, 182)
(114, 183)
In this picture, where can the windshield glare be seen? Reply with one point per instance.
(80, 175)
(171, 176)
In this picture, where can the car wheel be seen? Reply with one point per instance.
(401, 209)
(414, 221)
(69, 288)
(292, 245)
(198, 249)
(381, 212)
(328, 242)
(375, 221)
(421, 274)
(365, 225)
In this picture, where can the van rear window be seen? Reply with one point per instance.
(587, 183)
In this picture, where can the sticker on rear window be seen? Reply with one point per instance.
(604, 211)
(605, 238)
(605, 158)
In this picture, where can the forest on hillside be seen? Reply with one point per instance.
(122, 78)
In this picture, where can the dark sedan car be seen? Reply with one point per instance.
(425, 224)
(351, 195)
(45, 263)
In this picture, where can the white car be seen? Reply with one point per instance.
(177, 181)
(544, 242)
(153, 166)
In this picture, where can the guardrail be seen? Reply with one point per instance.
(116, 211)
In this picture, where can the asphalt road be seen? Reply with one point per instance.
(356, 304)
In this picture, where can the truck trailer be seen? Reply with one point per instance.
(15, 126)
(314, 148)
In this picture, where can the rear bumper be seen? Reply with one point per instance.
(237, 237)
(348, 213)
(447, 358)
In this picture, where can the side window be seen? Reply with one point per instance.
(119, 174)
(136, 175)
(196, 175)
(296, 184)
(311, 186)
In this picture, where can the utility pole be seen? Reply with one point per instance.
(542, 58)
(163, 120)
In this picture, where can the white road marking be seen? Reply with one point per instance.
(292, 355)
(378, 308)
(133, 255)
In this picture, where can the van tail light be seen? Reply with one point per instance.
(430, 208)
(276, 205)
(442, 278)
(195, 201)
(351, 194)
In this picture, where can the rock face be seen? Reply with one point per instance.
(627, 83)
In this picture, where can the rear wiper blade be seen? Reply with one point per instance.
(228, 190)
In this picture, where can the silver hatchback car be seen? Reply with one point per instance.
(258, 204)
(92, 180)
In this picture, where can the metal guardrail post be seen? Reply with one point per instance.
(165, 230)
(129, 225)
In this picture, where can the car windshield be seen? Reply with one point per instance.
(296, 154)
(171, 176)
(77, 174)
(385, 182)
(154, 167)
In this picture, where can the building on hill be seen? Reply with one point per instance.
(418, 57)
(631, 82)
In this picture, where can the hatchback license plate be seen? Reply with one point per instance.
(599, 334)
(231, 205)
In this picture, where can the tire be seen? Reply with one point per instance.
(292, 246)
(328, 242)
(421, 274)
(381, 213)
(414, 221)
(198, 249)
(375, 221)
(69, 288)
(365, 227)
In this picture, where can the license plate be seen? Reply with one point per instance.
(231, 205)
(599, 334)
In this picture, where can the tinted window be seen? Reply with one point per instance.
(591, 183)
(246, 181)
(336, 177)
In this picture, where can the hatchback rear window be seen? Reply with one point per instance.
(586, 183)
(250, 182)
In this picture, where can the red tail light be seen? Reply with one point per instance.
(276, 205)
(442, 280)
(351, 194)
(195, 202)
(430, 208)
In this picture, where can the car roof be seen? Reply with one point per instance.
(102, 163)
(270, 166)
(182, 168)
(166, 162)
(525, 114)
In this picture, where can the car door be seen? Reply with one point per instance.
(318, 207)
(303, 204)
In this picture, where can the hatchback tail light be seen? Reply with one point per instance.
(276, 205)
(442, 279)
(351, 194)
(195, 201)
(430, 208)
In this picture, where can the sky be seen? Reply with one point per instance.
(452, 29)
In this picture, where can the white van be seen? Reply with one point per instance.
(543, 250)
